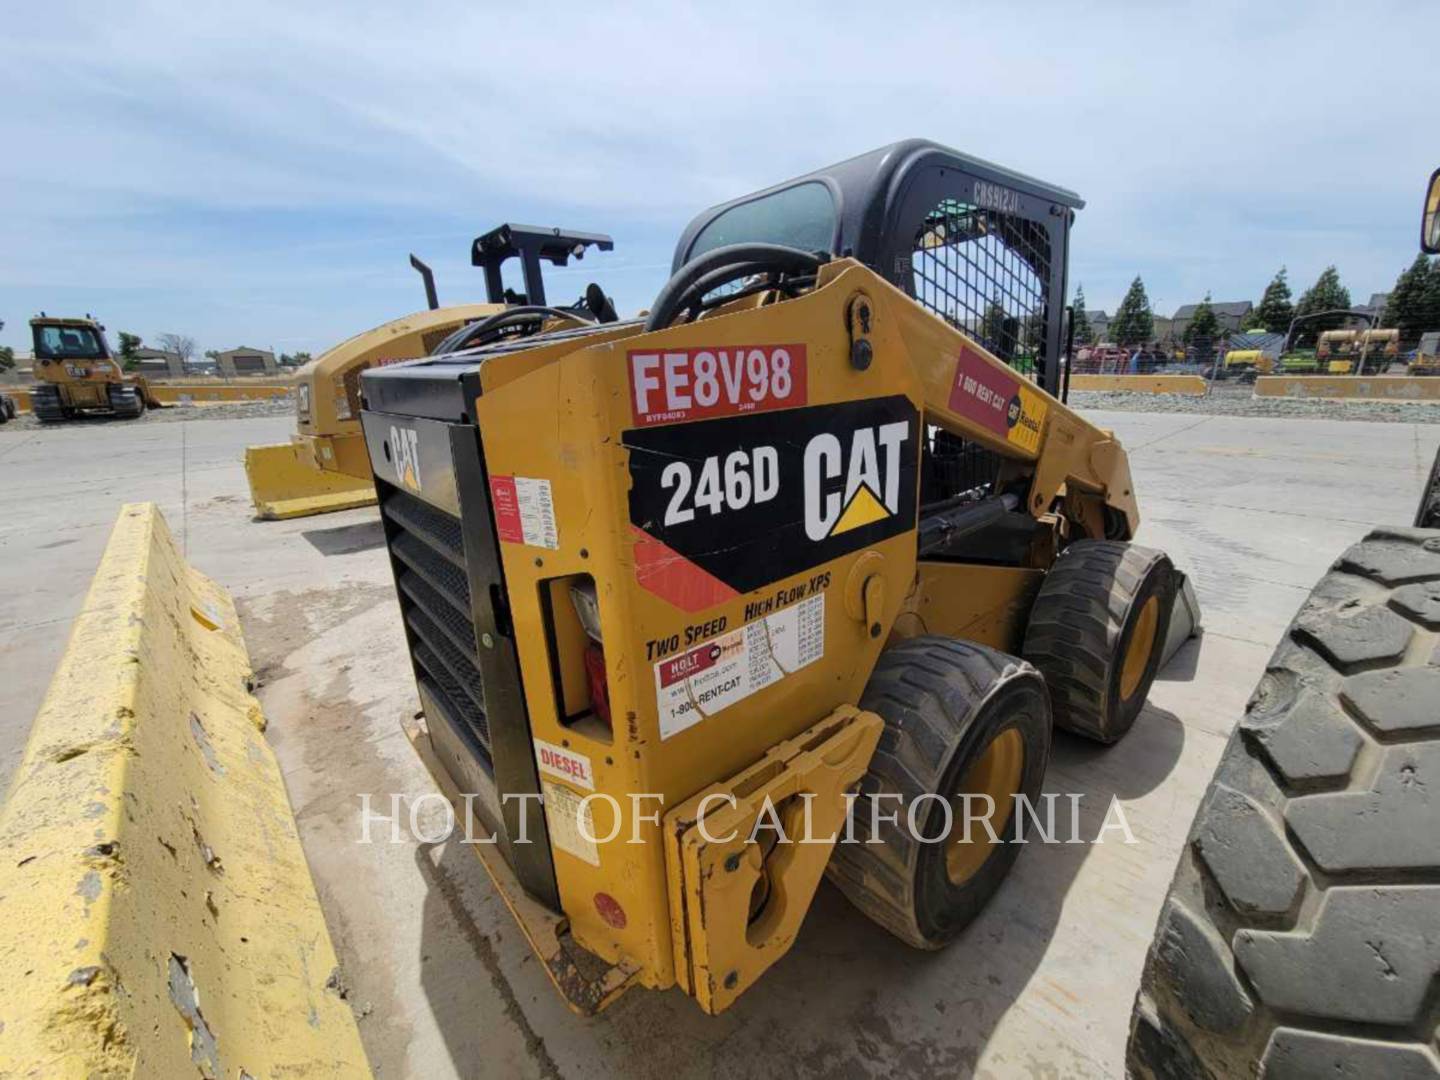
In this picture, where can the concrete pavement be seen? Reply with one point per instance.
(1254, 509)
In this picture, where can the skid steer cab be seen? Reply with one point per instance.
(78, 374)
(772, 584)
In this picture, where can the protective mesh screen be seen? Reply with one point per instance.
(987, 273)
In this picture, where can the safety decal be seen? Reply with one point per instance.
(998, 400)
(715, 674)
(725, 506)
(566, 764)
(727, 380)
(565, 813)
(524, 511)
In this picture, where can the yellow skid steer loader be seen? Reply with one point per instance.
(324, 466)
(813, 553)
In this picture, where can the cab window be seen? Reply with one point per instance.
(67, 343)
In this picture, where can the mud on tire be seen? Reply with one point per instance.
(944, 703)
(1301, 935)
(1100, 598)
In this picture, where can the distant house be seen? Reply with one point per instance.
(246, 361)
(1229, 313)
(156, 362)
(1376, 306)
(1099, 324)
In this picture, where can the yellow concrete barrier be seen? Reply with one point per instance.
(1351, 387)
(186, 393)
(159, 916)
(1192, 385)
(284, 484)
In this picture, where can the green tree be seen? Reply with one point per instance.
(294, 359)
(1134, 322)
(7, 358)
(1084, 332)
(1327, 294)
(1275, 310)
(1407, 309)
(1203, 324)
(129, 343)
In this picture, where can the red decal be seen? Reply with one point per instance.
(507, 510)
(692, 384)
(687, 664)
(669, 575)
(982, 393)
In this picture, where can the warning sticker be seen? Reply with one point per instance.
(715, 674)
(998, 400)
(566, 764)
(564, 812)
(524, 511)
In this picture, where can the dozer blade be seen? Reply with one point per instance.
(160, 918)
(284, 485)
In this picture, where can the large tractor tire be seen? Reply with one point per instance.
(1427, 515)
(46, 404)
(1097, 633)
(1301, 935)
(126, 402)
(959, 719)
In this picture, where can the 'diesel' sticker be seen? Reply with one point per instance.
(715, 674)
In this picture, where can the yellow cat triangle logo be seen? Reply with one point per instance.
(864, 509)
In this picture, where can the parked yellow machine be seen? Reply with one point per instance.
(1346, 351)
(77, 373)
(324, 465)
(681, 591)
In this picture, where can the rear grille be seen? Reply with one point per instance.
(428, 549)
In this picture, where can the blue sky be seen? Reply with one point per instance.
(256, 173)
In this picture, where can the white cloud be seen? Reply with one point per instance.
(259, 171)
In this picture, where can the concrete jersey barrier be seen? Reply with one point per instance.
(159, 915)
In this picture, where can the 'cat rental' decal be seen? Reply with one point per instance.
(998, 400)
(721, 507)
(671, 385)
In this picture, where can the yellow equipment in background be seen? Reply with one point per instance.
(1239, 360)
(79, 374)
(687, 598)
(324, 466)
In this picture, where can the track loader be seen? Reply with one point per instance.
(77, 373)
(324, 466)
(795, 555)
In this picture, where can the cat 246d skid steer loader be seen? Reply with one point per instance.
(814, 551)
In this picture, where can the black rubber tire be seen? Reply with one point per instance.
(45, 404)
(1427, 515)
(1301, 934)
(126, 402)
(1084, 616)
(942, 701)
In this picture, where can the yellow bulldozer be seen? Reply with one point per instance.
(78, 374)
(324, 466)
(795, 555)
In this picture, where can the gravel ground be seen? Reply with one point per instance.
(238, 410)
(1239, 400)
